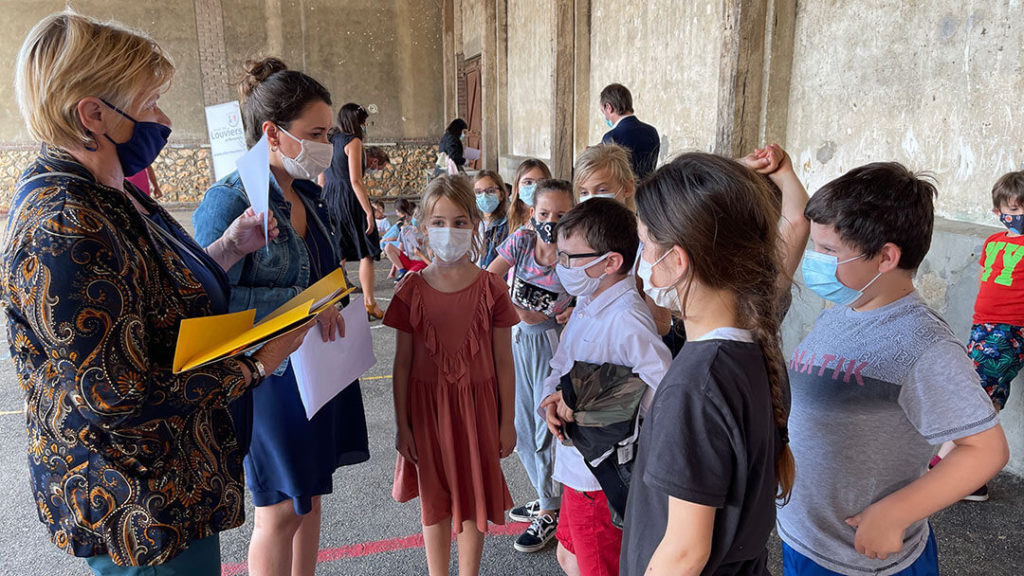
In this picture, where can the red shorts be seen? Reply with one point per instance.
(409, 264)
(585, 529)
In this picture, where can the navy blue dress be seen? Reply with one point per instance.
(217, 286)
(290, 456)
(346, 212)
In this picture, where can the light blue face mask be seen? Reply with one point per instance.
(609, 123)
(487, 203)
(819, 271)
(527, 193)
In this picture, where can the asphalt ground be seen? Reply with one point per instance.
(365, 532)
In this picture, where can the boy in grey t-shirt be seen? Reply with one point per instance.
(878, 383)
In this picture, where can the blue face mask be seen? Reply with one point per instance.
(527, 193)
(1013, 222)
(148, 139)
(819, 271)
(609, 123)
(487, 203)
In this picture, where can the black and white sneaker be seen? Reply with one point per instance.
(525, 513)
(979, 495)
(537, 536)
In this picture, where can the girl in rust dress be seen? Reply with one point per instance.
(454, 382)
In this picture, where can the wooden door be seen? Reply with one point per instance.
(472, 113)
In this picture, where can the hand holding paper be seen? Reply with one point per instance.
(254, 170)
(324, 368)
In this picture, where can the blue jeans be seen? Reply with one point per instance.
(796, 564)
(202, 558)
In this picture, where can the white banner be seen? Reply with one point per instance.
(227, 137)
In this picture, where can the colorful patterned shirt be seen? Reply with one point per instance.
(126, 458)
(533, 286)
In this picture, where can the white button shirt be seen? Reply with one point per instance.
(615, 327)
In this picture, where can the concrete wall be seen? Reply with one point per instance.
(172, 24)
(948, 281)
(666, 52)
(936, 86)
(472, 27)
(531, 64)
(383, 54)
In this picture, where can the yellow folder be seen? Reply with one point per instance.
(211, 338)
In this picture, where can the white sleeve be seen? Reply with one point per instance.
(560, 364)
(646, 353)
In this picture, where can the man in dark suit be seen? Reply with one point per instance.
(627, 131)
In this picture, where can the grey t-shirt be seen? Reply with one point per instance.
(873, 393)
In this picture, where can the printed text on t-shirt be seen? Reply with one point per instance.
(848, 367)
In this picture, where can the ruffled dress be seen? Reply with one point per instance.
(453, 400)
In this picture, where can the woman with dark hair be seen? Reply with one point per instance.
(292, 458)
(349, 201)
(451, 145)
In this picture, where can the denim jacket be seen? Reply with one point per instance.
(127, 458)
(265, 279)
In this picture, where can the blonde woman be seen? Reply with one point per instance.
(133, 467)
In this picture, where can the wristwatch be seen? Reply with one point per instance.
(261, 370)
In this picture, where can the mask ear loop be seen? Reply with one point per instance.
(90, 142)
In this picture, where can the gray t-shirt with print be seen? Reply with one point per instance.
(873, 393)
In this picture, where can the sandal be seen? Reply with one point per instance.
(374, 311)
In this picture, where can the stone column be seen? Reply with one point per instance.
(563, 106)
(450, 71)
(213, 59)
(581, 78)
(489, 88)
(740, 76)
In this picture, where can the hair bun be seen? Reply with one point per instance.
(256, 71)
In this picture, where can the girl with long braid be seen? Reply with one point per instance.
(714, 456)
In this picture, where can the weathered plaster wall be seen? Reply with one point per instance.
(936, 86)
(531, 64)
(383, 55)
(948, 281)
(666, 52)
(472, 27)
(172, 24)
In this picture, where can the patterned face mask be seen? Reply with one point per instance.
(545, 230)
(1013, 222)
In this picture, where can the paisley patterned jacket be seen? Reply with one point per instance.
(126, 458)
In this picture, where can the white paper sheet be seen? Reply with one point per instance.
(324, 369)
(254, 170)
(471, 153)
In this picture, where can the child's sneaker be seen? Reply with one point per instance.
(525, 513)
(979, 495)
(537, 536)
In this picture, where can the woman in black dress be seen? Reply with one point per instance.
(349, 201)
(451, 144)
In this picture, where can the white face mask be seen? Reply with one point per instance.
(450, 244)
(592, 196)
(575, 280)
(664, 296)
(314, 157)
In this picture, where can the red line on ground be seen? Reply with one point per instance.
(376, 547)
